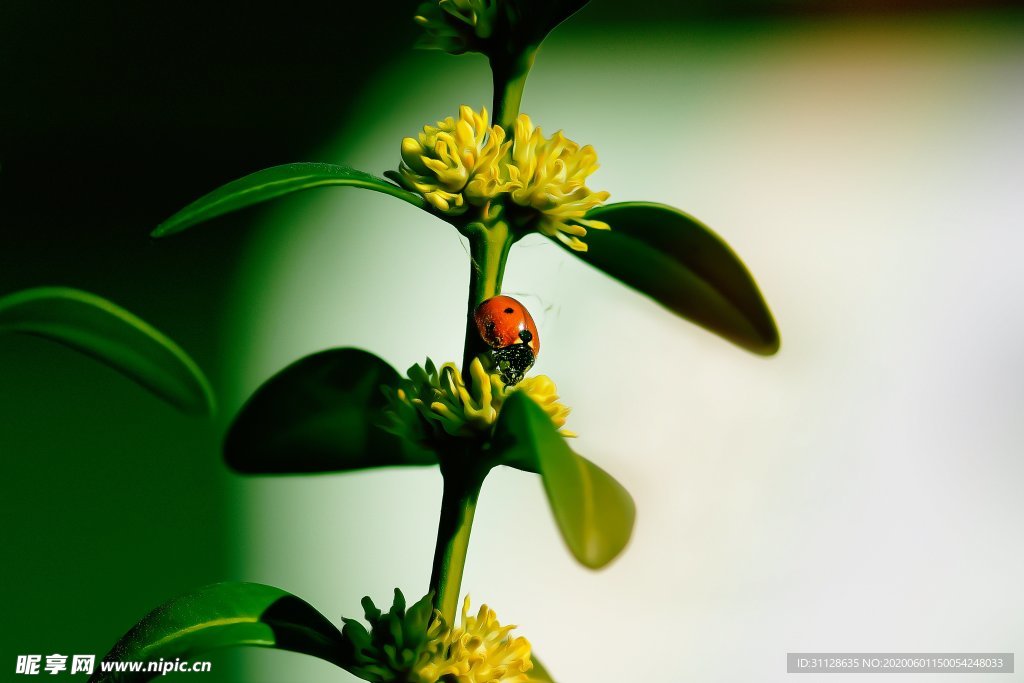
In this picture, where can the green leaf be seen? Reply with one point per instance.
(680, 263)
(274, 182)
(538, 674)
(537, 18)
(320, 414)
(219, 616)
(594, 512)
(110, 334)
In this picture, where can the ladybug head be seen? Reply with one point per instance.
(513, 362)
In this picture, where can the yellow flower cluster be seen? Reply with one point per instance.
(441, 398)
(442, 160)
(479, 651)
(467, 162)
(550, 175)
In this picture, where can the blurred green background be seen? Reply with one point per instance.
(777, 122)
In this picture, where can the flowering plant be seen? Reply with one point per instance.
(495, 180)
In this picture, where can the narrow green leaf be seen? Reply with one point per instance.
(594, 512)
(680, 263)
(109, 333)
(275, 182)
(219, 616)
(320, 414)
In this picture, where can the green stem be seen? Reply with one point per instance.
(488, 251)
(489, 244)
(458, 504)
(463, 475)
(509, 82)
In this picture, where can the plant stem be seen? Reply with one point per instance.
(458, 505)
(463, 473)
(489, 244)
(488, 251)
(509, 82)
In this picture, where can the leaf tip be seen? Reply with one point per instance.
(599, 553)
(165, 229)
(206, 406)
(769, 342)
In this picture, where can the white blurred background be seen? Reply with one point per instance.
(861, 491)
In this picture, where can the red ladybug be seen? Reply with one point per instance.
(508, 329)
(501, 321)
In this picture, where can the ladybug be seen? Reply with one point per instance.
(508, 329)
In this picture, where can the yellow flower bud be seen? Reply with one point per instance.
(440, 162)
(466, 162)
(549, 176)
(435, 402)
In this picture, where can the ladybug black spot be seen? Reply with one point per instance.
(489, 325)
(509, 310)
(526, 336)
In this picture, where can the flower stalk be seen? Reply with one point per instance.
(509, 76)
(489, 246)
(462, 482)
(489, 243)
(463, 477)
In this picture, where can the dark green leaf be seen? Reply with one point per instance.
(274, 182)
(219, 616)
(594, 512)
(680, 263)
(537, 18)
(320, 414)
(112, 335)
